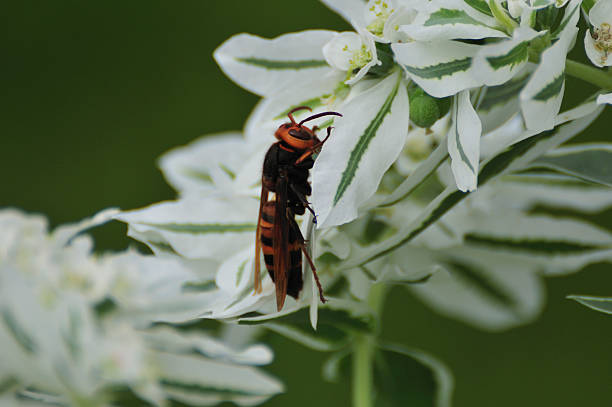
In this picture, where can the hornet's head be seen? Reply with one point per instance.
(298, 136)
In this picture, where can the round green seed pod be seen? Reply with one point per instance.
(444, 105)
(414, 92)
(424, 111)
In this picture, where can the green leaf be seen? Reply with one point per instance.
(401, 376)
(408, 377)
(601, 304)
(587, 5)
(589, 162)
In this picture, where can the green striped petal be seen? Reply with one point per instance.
(529, 190)
(501, 102)
(264, 66)
(554, 245)
(516, 157)
(542, 96)
(337, 321)
(483, 288)
(196, 227)
(441, 68)
(445, 20)
(601, 304)
(464, 142)
(590, 162)
(363, 145)
(192, 379)
(497, 63)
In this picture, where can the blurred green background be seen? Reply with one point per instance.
(94, 92)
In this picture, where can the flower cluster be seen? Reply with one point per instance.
(436, 98)
(396, 71)
(76, 329)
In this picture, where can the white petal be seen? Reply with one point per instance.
(601, 13)
(352, 11)
(515, 7)
(364, 144)
(401, 16)
(464, 142)
(603, 99)
(265, 66)
(441, 68)
(204, 165)
(339, 50)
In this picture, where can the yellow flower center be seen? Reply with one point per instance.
(381, 11)
(359, 58)
(603, 40)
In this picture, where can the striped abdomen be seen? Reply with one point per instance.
(294, 274)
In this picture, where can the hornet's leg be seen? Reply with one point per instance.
(300, 240)
(314, 148)
(303, 200)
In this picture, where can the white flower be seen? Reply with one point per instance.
(598, 40)
(352, 53)
(515, 7)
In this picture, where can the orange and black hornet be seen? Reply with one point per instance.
(285, 173)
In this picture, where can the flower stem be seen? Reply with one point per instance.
(590, 74)
(363, 354)
(500, 15)
(363, 357)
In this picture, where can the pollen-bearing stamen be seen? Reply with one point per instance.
(603, 40)
(379, 11)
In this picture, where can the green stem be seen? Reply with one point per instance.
(500, 15)
(363, 358)
(590, 74)
(363, 354)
